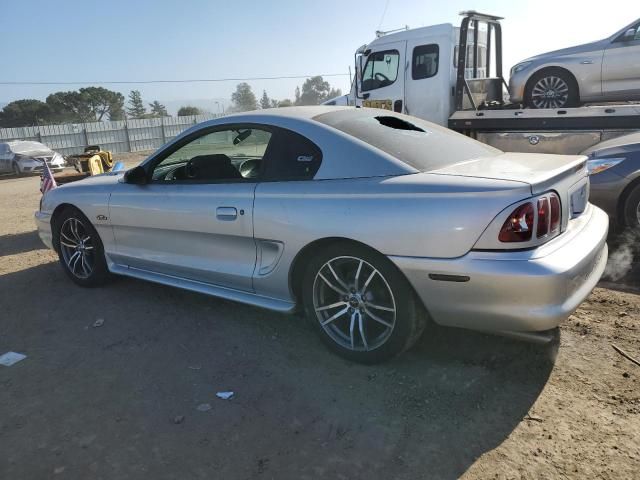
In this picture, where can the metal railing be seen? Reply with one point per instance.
(131, 135)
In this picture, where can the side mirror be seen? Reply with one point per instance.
(629, 35)
(136, 176)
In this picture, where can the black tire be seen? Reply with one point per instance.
(92, 251)
(410, 317)
(555, 78)
(632, 209)
(16, 169)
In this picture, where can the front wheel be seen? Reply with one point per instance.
(632, 209)
(361, 305)
(552, 89)
(80, 249)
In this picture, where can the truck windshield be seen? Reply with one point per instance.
(418, 143)
(380, 70)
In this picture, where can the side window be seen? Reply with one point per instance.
(292, 157)
(231, 155)
(381, 70)
(425, 61)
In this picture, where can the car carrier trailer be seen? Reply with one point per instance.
(453, 76)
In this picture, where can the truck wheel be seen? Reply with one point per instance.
(632, 209)
(552, 88)
(361, 305)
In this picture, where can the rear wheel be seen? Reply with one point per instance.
(360, 304)
(552, 88)
(80, 249)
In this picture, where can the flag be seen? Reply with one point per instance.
(47, 182)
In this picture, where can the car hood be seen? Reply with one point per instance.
(104, 179)
(585, 47)
(540, 171)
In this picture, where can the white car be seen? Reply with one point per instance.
(22, 156)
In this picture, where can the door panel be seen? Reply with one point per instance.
(621, 69)
(386, 62)
(187, 230)
(427, 76)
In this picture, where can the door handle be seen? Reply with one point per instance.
(587, 62)
(226, 213)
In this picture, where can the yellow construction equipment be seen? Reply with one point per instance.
(93, 161)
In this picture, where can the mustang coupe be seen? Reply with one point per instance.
(375, 223)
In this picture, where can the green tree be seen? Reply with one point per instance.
(136, 105)
(243, 98)
(297, 96)
(158, 110)
(285, 103)
(68, 107)
(188, 111)
(265, 101)
(101, 103)
(86, 105)
(25, 113)
(315, 90)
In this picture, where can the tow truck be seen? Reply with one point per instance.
(453, 76)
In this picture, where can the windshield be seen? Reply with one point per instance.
(420, 144)
(28, 147)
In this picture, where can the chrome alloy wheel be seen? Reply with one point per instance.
(354, 303)
(550, 92)
(638, 212)
(76, 246)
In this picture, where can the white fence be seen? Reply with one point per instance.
(119, 136)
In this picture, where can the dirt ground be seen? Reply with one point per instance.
(121, 400)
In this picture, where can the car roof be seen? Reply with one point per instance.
(303, 112)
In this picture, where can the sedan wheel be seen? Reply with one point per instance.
(354, 303)
(361, 304)
(80, 249)
(77, 248)
(552, 89)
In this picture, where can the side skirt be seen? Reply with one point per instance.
(248, 298)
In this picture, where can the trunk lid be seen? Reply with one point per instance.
(565, 174)
(541, 171)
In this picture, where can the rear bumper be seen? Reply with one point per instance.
(43, 222)
(527, 291)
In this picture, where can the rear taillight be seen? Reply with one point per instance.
(544, 216)
(519, 225)
(555, 213)
(544, 212)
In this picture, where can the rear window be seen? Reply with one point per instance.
(418, 143)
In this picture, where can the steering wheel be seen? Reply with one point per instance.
(250, 168)
(382, 76)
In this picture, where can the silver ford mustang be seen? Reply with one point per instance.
(375, 223)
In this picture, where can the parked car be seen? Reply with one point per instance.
(615, 178)
(374, 222)
(21, 156)
(601, 71)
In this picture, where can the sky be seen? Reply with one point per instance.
(93, 41)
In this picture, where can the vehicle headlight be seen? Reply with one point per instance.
(519, 67)
(598, 165)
